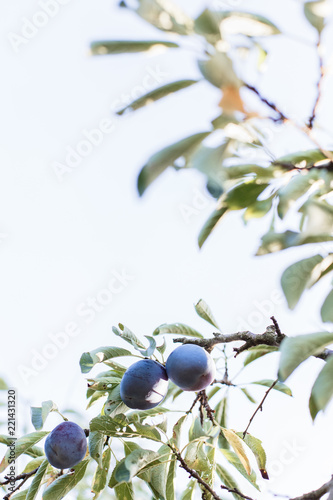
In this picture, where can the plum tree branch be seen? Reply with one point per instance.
(24, 477)
(193, 473)
(319, 83)
(316, 494)
(259, 407)
(272, 336)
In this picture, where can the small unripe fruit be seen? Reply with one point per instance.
(66, 445)
(190, 367)
(144, 385)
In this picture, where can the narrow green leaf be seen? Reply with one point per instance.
(244, 195)
(22, 445)
(22, 495)
(257, 449)
(156, 94)
(278, 386)
(124, 491)
(227, 480)
(322, 390)
(235, 462)
(296, 277)
(219, 71)
(301, 158)
(210, 224)
(177, 329)
(165, 16)
(155, 473)
(166, 157)
(204, 311)
(315, 12)
(37, 480)
(133, 463)
(258, 351)
(296, 187)
(170, 483)
(258, 209)
(295, 350)
(96, 444)
(327, 309)
(248, 395)
(33, 464)
(64, 484)
(176, 433)
(245, 23)
(189, 492)
(90, 359)
(126, 334)
(101, 474)
(221, 419)
(40, 414)
(104, 47)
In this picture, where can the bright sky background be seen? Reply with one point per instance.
(62, 242)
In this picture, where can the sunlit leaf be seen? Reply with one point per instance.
(257, 449)
(219, 71)
(237, 444)
(40, 414)
(278, 386)
(296, 277)
(89, 359)
(295, 350)
(64, 484)
(210, 224)
(204, 311)
(258, 351)
(177, 329)
(315, 12)
(322, 390)
(327, 309)
(245, 23)
(104, 47)
(22, 446)
(248, 395)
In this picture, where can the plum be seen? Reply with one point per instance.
(190, 367)
(144, 385)
(66, 445)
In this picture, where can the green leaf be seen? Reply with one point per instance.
(257, 449)
(206, 24)
(141, 415)
(258, 351)
(243, 195)
(133, 463)
(124, 491)
(177, 329)
(236, 443)
(275, 242)
(296, 277)
(219, 71)
(104, 47)
(33, 464)
(3, 385)
(258, 209)
(322, 390)
(40, 414)
(295, 350)
(150, 350)
(170, 482)
(166, 16)
(301, 159)
(203, 310)
(96, 444)
(22, 445)
(22, 495)
(327, 309)
(248, 395)
(247, 24)
(221, 419)
(189, 492)
(277, 387)
(296, 187)
(155, 473)
(176, 433)
(210, 224)
(89, 359)
(234, 460)
(101, 474)
(37, 480)
(227, 480)
(156, 94)
(64, 484)
(315, 12)
(126, 334)
(323, 268)
(166, 157)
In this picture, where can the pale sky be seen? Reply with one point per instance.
(65, 239)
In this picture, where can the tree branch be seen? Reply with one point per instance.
(201, 481)
(315, 495)
(24, 477)
(319, 83)
(259, 406)
(272, 336)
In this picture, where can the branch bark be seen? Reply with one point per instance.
(316, 494)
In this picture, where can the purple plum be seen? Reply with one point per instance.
(66, 445)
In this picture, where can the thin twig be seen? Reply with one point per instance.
(235, 490)
(316, 494)
(277, 327)
(281, 116)
(259, 406)
(25, 476)
(319, 83)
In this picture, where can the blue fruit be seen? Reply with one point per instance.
(144, 385)
(190, 367)
(66, 445)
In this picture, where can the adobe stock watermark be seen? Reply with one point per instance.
(31, 27)
(199, 202)
(93, 138)
(262, 309)
(85, 313)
